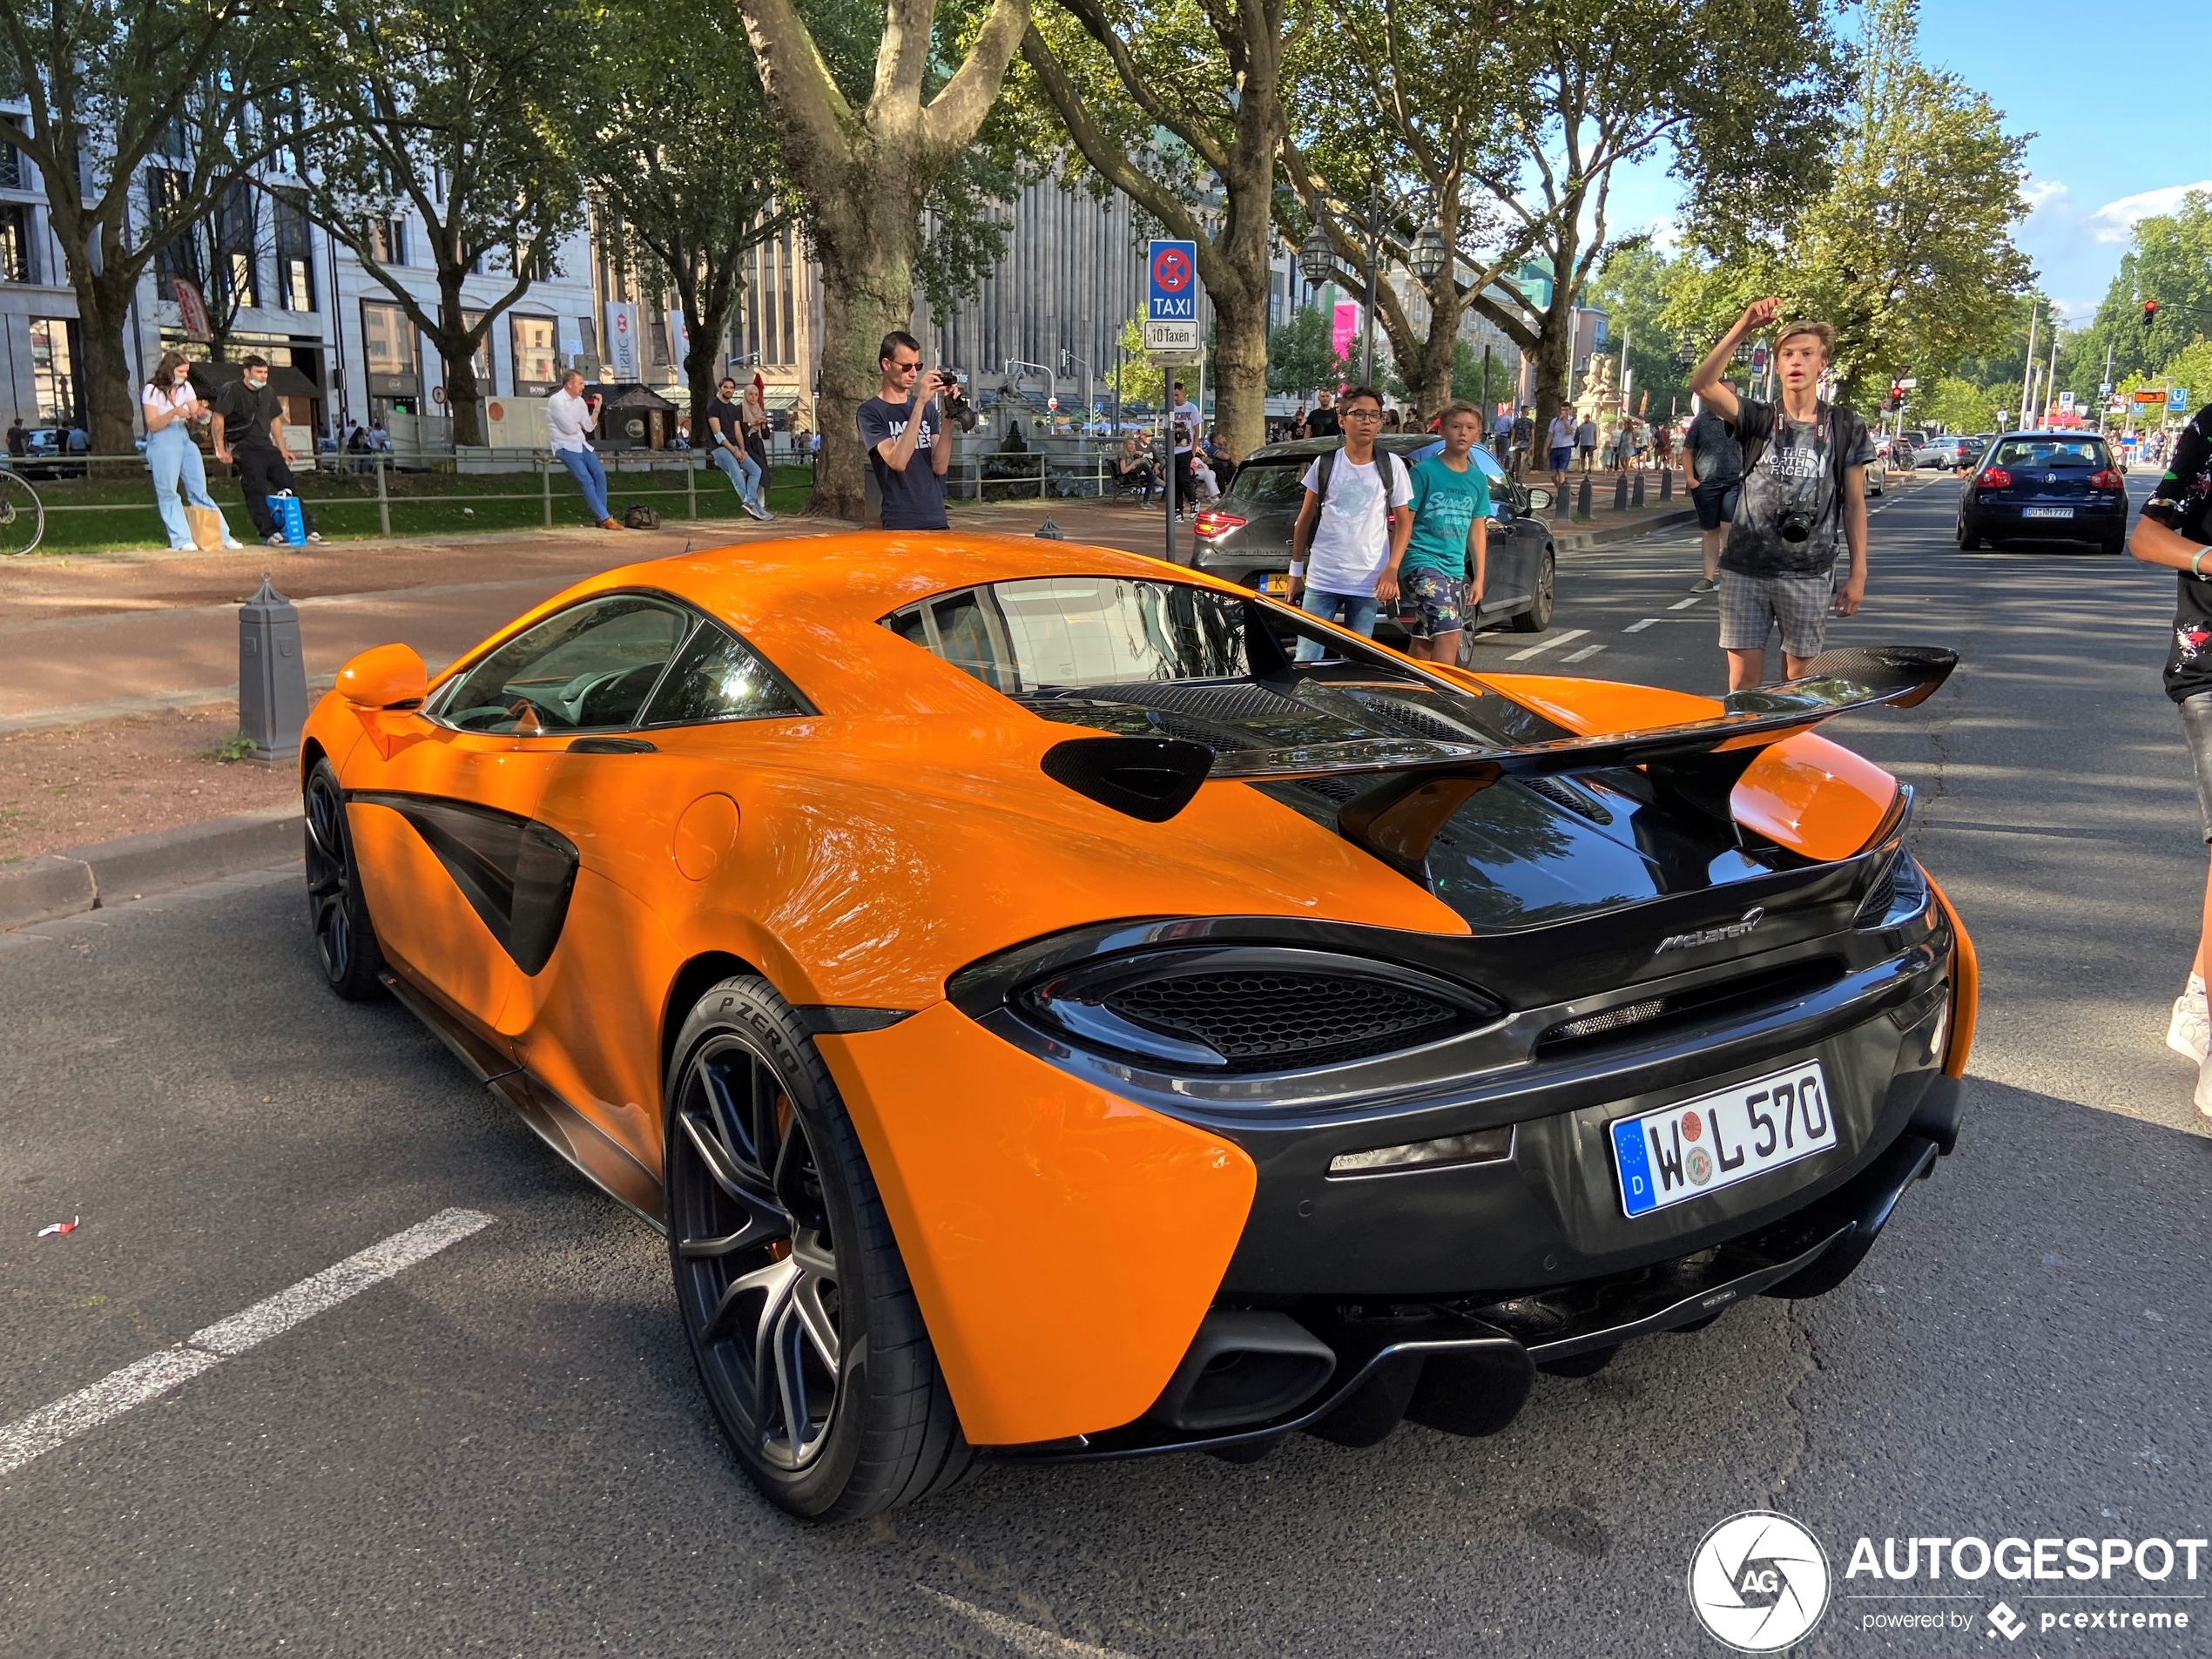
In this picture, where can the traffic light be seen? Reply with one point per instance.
(2150, 312)
(1896, 397)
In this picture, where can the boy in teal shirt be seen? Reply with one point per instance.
(1451, 531)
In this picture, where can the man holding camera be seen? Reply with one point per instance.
(1802, 501)
(904, 432)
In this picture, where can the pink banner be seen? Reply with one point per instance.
(1345, 328)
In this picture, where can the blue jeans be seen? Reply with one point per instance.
(590, 478)
(1353, 610)
(175, 459)
(743, 471)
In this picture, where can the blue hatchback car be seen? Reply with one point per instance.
(2047, 485)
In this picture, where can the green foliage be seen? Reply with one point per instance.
(1134, 379)
(1634, 291)
(1301, 355)
(2169, 261)
(1957, 405)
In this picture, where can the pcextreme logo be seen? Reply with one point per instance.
(1758, 1581)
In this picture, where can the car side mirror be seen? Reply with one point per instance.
(384, 677)
(1538, 498)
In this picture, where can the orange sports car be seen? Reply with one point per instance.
(1059, 1005)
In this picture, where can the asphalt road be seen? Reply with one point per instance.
(501, 1449)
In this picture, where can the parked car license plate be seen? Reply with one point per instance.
(2046, 512)
(1717, 1140)
(1274, 584)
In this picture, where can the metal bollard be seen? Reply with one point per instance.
(1666, 484)
(383, 504)
(1620, 492)
(1582, 500)
(271, 677)
(1050, 531)
(1635, 494)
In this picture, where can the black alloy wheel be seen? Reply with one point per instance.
(1537, 616)
(337, 915)
(788, 1282)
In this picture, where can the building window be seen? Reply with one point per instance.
(783, 288)
(654, 327)
(238, 231)
(536, 354)
(53, 369)
(587, 330)
(16, 170)
(16, 262)
(388, 240)
(481, 357)
(388, 339)
(295, 252)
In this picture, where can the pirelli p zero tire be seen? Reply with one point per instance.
(337, 915)
(790, 1286)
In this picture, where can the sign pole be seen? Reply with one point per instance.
(1170, 434)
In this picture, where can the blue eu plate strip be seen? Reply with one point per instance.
(1636, 1195)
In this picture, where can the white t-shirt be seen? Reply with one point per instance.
(1350, 544)
(1186, 418)
(169, 397)
(569, 420)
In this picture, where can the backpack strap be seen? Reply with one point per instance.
(1327, 464)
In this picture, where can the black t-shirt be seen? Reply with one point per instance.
(732, 424)
(2179, 503)
(1713, 450)
(915, 499)
(1323, 423)
(248, 415)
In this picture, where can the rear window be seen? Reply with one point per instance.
(2087, 452)
(1269, 483)
(1024, 637)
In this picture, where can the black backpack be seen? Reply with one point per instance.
(641, 517)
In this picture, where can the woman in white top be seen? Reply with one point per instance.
(171, 406)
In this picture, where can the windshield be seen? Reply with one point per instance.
(2053, 452)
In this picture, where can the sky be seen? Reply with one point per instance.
(2113, 142)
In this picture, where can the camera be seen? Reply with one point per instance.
(1795, 525)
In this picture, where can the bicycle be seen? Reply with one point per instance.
(22, 516)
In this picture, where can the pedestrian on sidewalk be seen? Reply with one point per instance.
(1501, 438)
(1713, 463)
(2172, 532)
(569, 418)
(726, 447)
(1586, 441)
(1324, 422)
(171, 408)
(1803, 502)
(1559, 439)
(1133, 467)
(758, 426)
(1352, 526)
(1440, 571)
(904, 432)
(18, 439)
(249, 439)
(1524, 440)
(1184, 414)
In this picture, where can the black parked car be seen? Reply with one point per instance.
(1245, 537)
(2046, 486)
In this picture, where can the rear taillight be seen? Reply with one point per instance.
(1994, 478)
(2106, 480)
(1211, 524)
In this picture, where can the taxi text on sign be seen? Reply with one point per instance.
(1171, 296)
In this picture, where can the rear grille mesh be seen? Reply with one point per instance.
(1255, 1019)
(1573, 799)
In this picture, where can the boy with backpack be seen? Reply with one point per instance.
(1353, 525)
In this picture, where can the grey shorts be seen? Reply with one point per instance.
(2196, 722)
(1799, 605)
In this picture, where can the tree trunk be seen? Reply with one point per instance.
(1240, 367)
(110, 400)
(866, 248)
(464, 403)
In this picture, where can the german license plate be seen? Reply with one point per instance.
(2046, 512)
(1274, 584)
(1702, 1145)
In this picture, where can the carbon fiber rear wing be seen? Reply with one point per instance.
(1419, 783)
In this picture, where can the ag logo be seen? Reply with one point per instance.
(1758, 1581)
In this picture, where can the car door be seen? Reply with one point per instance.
(467, 887)
(1514, 546)
(655, 815)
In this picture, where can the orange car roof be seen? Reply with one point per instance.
(812, 603)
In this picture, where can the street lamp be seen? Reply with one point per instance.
(1428, 256)
(1316, 257)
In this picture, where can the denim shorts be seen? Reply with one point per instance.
(1438, 601)
(1562, 457)
(1716, 503)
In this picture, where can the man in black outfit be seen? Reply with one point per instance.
(249, 435)
(1323, 422)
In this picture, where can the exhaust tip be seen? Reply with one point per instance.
(1242, 1367)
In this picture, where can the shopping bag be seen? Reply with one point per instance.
(207, 527)
(291, 518)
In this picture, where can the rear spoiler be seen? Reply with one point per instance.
(1419, 784)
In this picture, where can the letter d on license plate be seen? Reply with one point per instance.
(1716, 1140)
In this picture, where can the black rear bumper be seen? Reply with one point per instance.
(1382, 1349)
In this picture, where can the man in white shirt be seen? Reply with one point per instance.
(1185, 417)
(1352, 526)
(569, 418)
(1558, 439)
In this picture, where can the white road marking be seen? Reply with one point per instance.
(1577, 656)
(1537, 649)
(1684, 604)
(1023, 1638)
(1638, 627)
(155, 1375)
